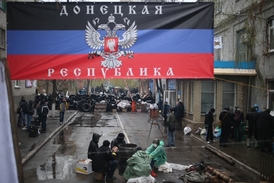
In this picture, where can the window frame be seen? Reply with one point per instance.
(271, 28)
(16, 83)
(208, 92)
(234, 91)
(3, 5)
(2, 38)
(240, 46)
(218, 6)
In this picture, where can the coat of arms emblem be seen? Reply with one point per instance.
(113, 45)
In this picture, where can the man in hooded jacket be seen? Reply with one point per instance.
(93, 145)
(118, 140)
(264, 128)
(157, 154)
(226, 118)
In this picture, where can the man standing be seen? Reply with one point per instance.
(62, 110)
(264, 128)
(93, 145)
(209, 120)
(179, 113)
(30, 112)
(226, 118)
(165, 112)
(250, 117)
(171, 124)
(44, 110)
(237, 129)
(22, 116)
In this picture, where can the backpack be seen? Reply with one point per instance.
(33, 131)
(44, 110)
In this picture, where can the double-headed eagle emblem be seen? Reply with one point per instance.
(111, 42)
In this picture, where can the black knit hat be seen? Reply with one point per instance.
(121, 136)
(106, 143)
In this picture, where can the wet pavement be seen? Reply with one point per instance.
(52, 156)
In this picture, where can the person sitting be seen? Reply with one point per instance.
(104, 161)
(118, 140)
(93, 146)
(157, 154)
(138, 165)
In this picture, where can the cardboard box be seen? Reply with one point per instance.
(84, 167)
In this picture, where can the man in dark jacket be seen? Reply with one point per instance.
(179, 113)
(264, 128)
(171, 124)
(30, 112)
(22, 115)
(237, 128)
(44, 110)
(165, 112)
(118, 140)
(226, 117)
(93, 145)
(250, 117)
(209, 120)
(104, 161)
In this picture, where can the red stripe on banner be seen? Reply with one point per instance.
(80, 67)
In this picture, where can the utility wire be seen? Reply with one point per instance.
(230, 81)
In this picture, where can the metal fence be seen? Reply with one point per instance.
(266, 166)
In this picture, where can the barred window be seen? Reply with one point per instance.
(271, 35)
(229, 95)
(2, 38)
(208, 95)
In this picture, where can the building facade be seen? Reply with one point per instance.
(243, 62)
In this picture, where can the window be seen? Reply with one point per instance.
(2, 38)
(241, 47)
(271, 95)
(218, 6)
(3, 5)
(228, 95)
(17, 83)
(208, 90)
(271, 35)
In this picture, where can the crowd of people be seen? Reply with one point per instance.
(104, 158)
(27, 110)
(259, 125)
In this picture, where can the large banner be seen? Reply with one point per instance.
(110, 40)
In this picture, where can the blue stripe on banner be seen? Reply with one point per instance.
(73, 42)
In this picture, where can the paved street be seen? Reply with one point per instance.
(51, 157)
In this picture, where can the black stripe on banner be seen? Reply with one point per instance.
(74, 16)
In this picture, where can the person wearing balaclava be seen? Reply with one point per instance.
(93, 145)
(118, 140)
(157, 154)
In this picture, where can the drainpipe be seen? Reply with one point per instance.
(248, 94)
